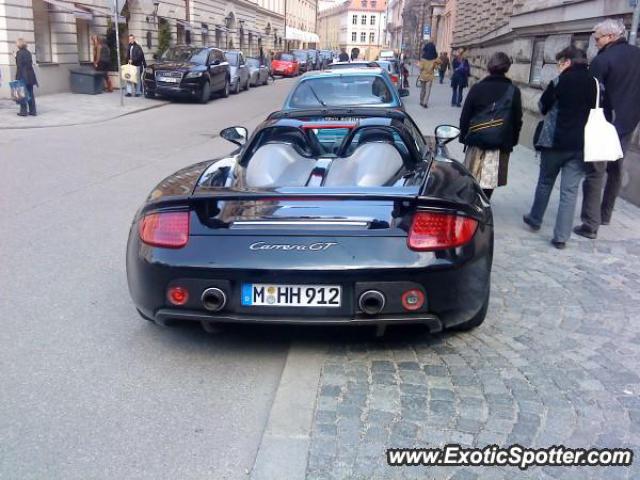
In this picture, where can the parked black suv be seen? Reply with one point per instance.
(186, 71)
(304, 60)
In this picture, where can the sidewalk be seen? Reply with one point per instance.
(67, 109)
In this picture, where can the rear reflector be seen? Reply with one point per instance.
(165, 229)
(394, 78)
(437, 231)
(178, 295)
(412, 300)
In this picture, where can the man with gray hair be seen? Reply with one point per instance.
(617, 67)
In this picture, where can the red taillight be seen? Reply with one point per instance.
(178, 295)
(165, 229)
(394, 78)
(412, 300)
(435, 231)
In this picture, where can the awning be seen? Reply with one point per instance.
(300, 35)
(68, 8)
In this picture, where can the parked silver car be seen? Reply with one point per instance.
(238, 70)
(259, 73)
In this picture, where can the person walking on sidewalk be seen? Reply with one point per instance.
(25, 72)
(344, 56)
(135, 56)
(444, 66)
(459, 77)
(102, 61)
(489, 145)
(428, 64)
(617, 66)
(566, 104)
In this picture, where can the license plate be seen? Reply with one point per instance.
(259, 294)
(169, 79)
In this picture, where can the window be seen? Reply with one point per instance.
(374, 4)
(372, 37)
(364, 3)
(180, 34)
(537, 62)
(372, 20)
(354, 36)
(354, 20)
(363, 20)
(205, 35)
(42, 32)
(581, 41)
(84, 43)
(363, 37)
(218, 38)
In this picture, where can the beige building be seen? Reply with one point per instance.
(58, 31)
(354, 24)
(393, 27)
(531, 32)
(301, 17)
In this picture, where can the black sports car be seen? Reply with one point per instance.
(346, 216)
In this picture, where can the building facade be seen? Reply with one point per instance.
(354, 24)
(393, 28)
(531, 32)
(301, 23)
(58, 31)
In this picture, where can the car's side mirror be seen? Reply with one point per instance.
(404, 92)
(445, 133)
(237, 135)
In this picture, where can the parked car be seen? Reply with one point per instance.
(304, 60)
(285, 64)
(393, 68)
(350, 65)
(384, 229)
(186, 71)
(239, 71)
(327, 57)
(316, 60)
(258, 73)
(357, 87)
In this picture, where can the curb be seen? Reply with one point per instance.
(284, 448)
(93, 122)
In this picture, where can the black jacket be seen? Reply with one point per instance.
(24, 70)
(566, 103)
(135, 55)
(484, 93)
(617, 66)
(343, 57)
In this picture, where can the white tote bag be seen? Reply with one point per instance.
(601, 141)
(129, 73)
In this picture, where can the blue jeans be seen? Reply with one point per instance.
(137, 86)
(571, 164)
(456, 98)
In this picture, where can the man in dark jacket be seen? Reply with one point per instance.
(344, 56)
(617, 66)
(566, 104)
(135, 56)
(24, 72)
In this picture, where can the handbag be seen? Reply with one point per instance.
(18, 91)
(489, 128)
(601, 141)
(129, 73)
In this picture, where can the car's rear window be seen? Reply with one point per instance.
(253, 62)
(285, 57)
(232, 58)
(341, 91)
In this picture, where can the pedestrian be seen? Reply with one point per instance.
(135, 57)
(25, 73)
(102, 61)
(459, 77)
(444, 66)
(344, 56)
(617, 66)
(566, 104)
(355, 52)
(428, 63)
(497, 100)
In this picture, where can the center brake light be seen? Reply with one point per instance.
(165, 229)
(437, 231)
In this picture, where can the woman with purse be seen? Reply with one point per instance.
(566, 104)
(490, 125)
(26, 74)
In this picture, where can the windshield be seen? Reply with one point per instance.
(186, 54)
(341, 91)
(232, 58)
(253, 62)
(301, 55)
(285, 57)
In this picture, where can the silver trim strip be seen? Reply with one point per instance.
(308, 222)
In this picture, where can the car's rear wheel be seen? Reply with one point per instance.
(477, 320)
(236, 89)
(205, 95)
(247, 85)
(225, 91)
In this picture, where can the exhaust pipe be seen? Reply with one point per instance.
(213, 299)
(371, 302)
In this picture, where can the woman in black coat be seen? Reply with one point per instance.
(25, 72)
(489, 165)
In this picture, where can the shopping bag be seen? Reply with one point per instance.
(129, 73)
(18, 91)
(601, 141)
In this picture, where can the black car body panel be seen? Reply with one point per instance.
(177, 79)
(244, 230)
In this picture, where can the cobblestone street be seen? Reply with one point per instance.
(556, 361)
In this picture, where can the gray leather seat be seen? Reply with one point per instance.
(372, 164)
(278, 165)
